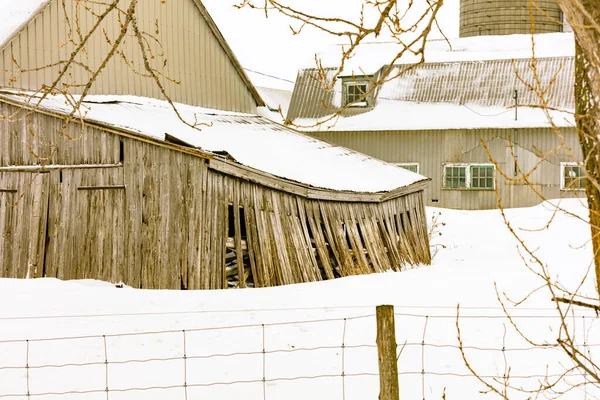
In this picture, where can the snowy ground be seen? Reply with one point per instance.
(107, 323)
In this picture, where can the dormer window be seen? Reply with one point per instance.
(355, 92)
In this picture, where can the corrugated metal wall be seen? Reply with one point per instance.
(507, 17)
(192, 55)
(432, 148)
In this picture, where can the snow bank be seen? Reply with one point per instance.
(479, 255)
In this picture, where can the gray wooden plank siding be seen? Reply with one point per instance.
(193, 55)
(22, 232)
(507, 17)
(431, 149)
(107, 205)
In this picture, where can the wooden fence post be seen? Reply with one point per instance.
(386, 349)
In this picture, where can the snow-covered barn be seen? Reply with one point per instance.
(213, 196)
(471, 117)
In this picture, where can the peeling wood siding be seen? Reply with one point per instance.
(194, 56)
(154, 217)
(432, 148)
(507, 17)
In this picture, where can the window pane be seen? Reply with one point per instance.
(455, 177)
(354, 92)
(482, 177)
(574, 177)
(410, 167)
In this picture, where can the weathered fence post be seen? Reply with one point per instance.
(386, 349)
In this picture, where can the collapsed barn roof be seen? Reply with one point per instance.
(249, 140)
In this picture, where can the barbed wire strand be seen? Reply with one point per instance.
(82, 337)
(484, 316)
(249, 310)
(189, 357)
(286, 379)
(263, 352)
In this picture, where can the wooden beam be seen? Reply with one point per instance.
(386, 350)
(45, 168)
(306, 191)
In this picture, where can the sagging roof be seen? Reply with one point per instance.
(249, 140)
(476, 80)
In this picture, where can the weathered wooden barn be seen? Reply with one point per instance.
(465, 117)
(126, 191)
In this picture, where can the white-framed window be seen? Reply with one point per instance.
(469, 176)
(572, 176)
(355, 91)
(413, 166)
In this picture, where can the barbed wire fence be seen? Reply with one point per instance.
(342, 352)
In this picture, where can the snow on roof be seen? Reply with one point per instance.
(471, 86)
(252, 140)
(370, 57)
(15, 14)
(275, 100)
(399, 115)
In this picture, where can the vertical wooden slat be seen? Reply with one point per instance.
(310, 253)
(252, 236)
(321, 245)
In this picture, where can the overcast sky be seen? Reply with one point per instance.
(268, 45)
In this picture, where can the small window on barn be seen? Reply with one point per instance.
(572, 176)
(482, 177)
(412, 167)
(355, 91)
(455, 177)
(469, 176)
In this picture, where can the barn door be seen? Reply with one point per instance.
(86, 224)
(23, 216)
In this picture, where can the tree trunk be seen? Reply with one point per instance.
(588, 131)
(584, 17)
